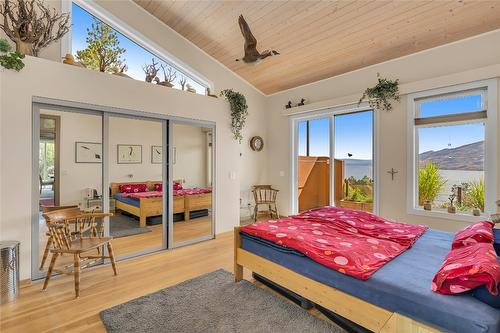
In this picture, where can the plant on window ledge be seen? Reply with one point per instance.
(103, 52)
(380, 96)
(32, 25)
(8, 59)
(430, 183)
(239, 111)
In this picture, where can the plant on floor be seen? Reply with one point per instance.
(380, 96)
(430, 183)
(32, 25)
(103, 49)
(239, 111)
(8, 59)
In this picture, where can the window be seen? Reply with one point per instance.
(134, 56)
(452, 153)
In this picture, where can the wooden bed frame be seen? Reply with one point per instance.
(153, 206)
(359, 311)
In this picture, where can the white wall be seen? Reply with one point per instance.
(52, 80)
(191, 155)
(464, 61)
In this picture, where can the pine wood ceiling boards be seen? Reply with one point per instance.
(320, 39)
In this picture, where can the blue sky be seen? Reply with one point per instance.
(354, 133)
(135, 56)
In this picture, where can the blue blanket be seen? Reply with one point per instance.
(127, 200)
(403, 285)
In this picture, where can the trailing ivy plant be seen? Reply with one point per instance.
(8, 59)
(380, 96)
(239, 111)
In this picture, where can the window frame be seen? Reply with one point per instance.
(132, 34)
(489, 94)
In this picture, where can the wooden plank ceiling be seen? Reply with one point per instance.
(320, 39)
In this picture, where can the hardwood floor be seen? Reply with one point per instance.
(183, 231)
(56, 310)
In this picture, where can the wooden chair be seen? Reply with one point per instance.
(76, 244)
(265, 195)
(45, 183)
(78, 223)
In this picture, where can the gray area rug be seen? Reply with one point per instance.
(123, 226)
(212, 303)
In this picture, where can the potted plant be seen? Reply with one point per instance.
(31, 25)
(430, 183)
(8, 59)
(380, 96)
(169, 76)
(451, 207)
(239, 111)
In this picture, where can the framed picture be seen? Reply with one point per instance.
(129, 154)
(156, 154)
(88, 152)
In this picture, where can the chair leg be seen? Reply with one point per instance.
(76, 273)
(46, 252)
(255, 212)
(112, 258)
(276, 210)
(51, 268)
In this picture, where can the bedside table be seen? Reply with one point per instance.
(97, 204)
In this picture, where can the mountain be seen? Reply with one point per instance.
(466, 157)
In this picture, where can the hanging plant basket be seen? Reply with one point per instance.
(239, 111)
(381, 96)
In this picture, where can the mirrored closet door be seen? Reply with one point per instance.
(192, 175)
(67, 173)
(136, 183)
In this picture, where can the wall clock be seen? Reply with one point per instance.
(256, 143)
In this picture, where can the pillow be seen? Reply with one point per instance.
(158, 187)
(479, 232)
(467, 268)
(496, 240)
(133, 188)
(177, 185)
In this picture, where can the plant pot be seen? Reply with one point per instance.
(452, 209)
(476, 212)
(427, 205)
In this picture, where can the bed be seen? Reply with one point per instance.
(397, 298)
(185, 201)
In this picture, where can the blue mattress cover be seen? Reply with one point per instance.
(130, 201)
(403, 285)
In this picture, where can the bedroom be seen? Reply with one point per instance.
(424, 69)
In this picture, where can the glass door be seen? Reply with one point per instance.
(354, 176)
(334, 162)
(313, 163)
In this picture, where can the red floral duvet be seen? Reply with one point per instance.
(155, 194)
(352, 242)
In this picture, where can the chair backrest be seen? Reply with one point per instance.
(264, 194)
(46, 209)
(57, 223)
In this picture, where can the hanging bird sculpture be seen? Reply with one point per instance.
(251, 53)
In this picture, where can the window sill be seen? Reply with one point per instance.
(448, 216)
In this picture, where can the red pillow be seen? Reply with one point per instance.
(133, 188)
(177, 186)
(467, 268)
(158, 187)
(479, 232)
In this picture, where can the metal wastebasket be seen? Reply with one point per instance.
(9, 271)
